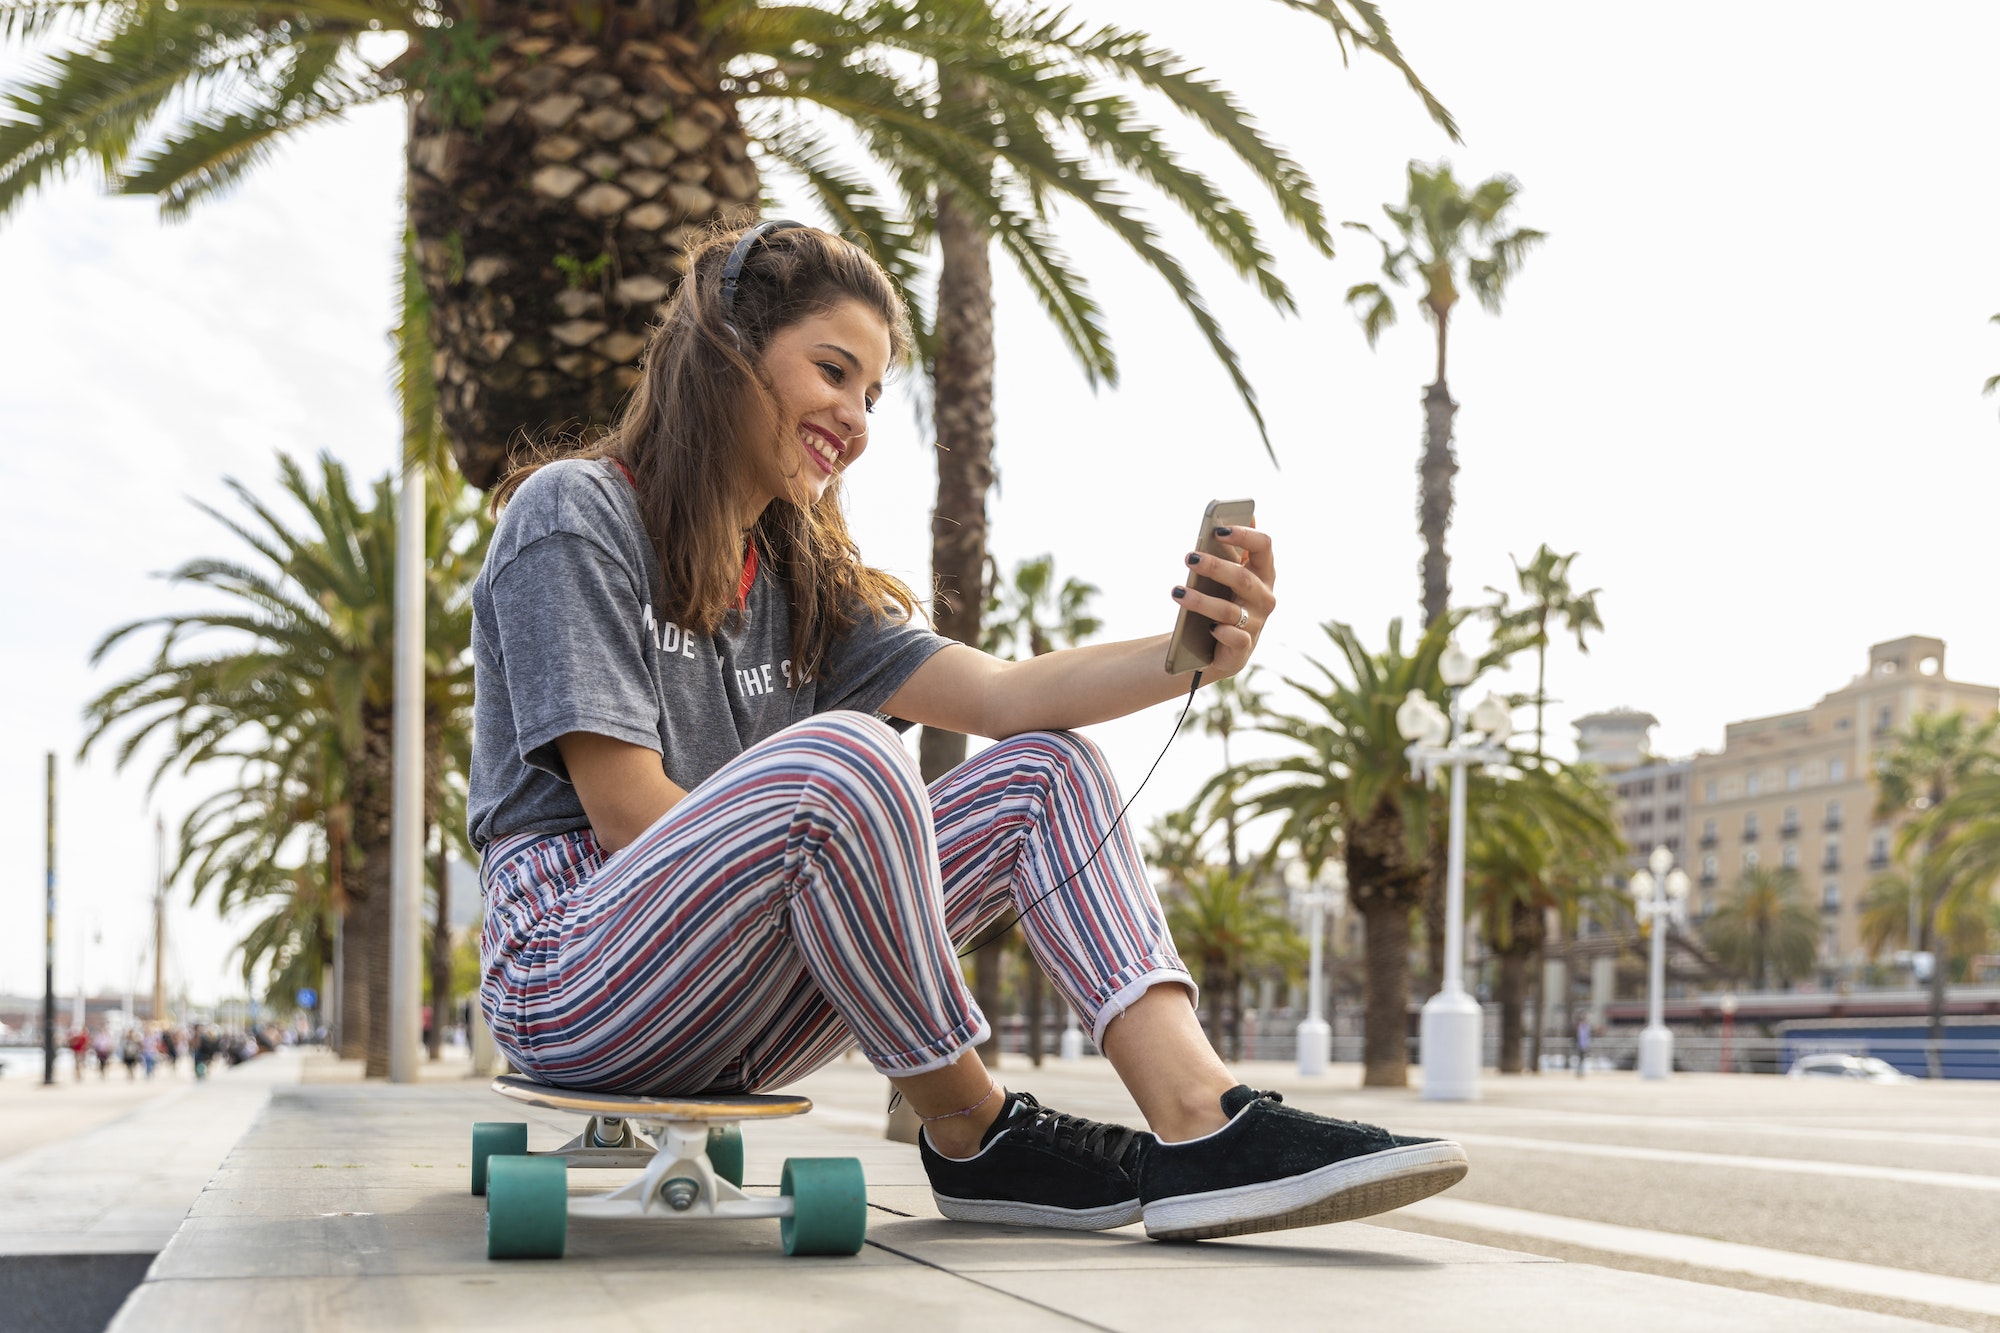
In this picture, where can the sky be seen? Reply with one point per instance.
(1740, 380)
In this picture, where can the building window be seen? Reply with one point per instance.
(1829, 896)
(1708, 790)
(1832, 859)
(1752, 784)
(1750, 858)
(1836, 770)
(1750, 827)
(1645, 818)
(1673, 814)
(1708, 869)
(1832, 816)
(1789, 825)
(1646, 787)
(1885, 718)
(1673, 782)
(1878, 849)
(1708, 833)
(1624, 791)
(1673, 844)
(1793, 778)
(1790, 859)
(1829, 947)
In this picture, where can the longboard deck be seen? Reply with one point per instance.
(740, 1106)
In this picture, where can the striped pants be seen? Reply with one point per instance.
(805, 900)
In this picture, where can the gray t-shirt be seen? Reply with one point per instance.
(567, 636)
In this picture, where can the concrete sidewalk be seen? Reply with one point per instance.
(347, 1205)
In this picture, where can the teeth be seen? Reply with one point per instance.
(817, 443)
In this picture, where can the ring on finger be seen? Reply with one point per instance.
(1243, 618)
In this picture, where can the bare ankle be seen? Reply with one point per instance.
(1190, 1116)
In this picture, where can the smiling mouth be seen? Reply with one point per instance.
(823, 447)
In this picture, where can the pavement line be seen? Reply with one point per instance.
(1788, 1165)
(1898, 1284)
(1895, 1136)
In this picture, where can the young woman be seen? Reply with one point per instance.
(709, 864)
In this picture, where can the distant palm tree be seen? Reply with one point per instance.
(296, 702)
(1541, 842)
(1028, 615)
(1446, 238)
(1225, 923)
(1966, 924)
(1347, 784)
(1547, 600)
(1762, 929)
(1923, 777)
(1230, 704)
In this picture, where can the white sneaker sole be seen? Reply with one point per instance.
(1358, 1187)
(1009, 1212)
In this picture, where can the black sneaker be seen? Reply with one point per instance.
(1038, 1167)
(1272, 1167)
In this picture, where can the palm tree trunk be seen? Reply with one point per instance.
(1513, 990)
(963, 383)
(549, 232)
(373, 809)
(1385, 1053)
(1434, 497)
(1032, 988)
(1933, 927)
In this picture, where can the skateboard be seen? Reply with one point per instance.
(689, 1154)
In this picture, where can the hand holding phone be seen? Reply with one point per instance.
(1193, 643)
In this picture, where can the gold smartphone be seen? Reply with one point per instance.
(1193, 644)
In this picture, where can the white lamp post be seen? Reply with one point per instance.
(1315, 1037)
(1072, 1037)
(1659, 895)
(1451, 1023)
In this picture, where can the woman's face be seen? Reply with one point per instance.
(826, 373)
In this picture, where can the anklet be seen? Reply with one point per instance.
(991, 1088)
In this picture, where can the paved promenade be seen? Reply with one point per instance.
(330, 1203)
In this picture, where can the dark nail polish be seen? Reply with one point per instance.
(1223, 532)
(1179, 593)
(1194, 559)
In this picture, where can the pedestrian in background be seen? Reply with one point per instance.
(1582, 1043)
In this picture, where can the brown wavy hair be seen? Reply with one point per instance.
(688, 434)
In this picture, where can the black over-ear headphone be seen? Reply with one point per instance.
(732, 271)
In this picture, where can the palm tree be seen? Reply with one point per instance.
(297, 704)
(1762, 929)
(1445, 238)
(1548, 599)
(1225, 923)
(1230, 704)
(1540, 842)
(1966, 924)
(1028, 614)
(1927, 773)
(1349, 785)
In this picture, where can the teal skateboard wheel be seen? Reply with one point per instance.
(527, 1207)
(829, 1206)
(725, 1153)
(495, 1138)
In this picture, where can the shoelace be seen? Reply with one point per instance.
(1071, 1134)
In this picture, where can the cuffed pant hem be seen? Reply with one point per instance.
(945, 1051)
(1128, 994)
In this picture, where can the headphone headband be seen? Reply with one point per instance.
(733, 270)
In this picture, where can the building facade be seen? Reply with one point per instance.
(1795, 790)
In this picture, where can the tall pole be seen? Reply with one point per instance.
(160, 922)
(406, 837)
(1451, 1026)
(1314, 1036)
(49, 939)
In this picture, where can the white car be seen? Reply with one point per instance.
(1864, 1068)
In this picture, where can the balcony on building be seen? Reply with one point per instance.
(1789, 829)
(1878, 860)
(1708, 840)
(1832, 861)
(1832, 824)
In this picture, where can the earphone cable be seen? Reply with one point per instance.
(994, 935)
